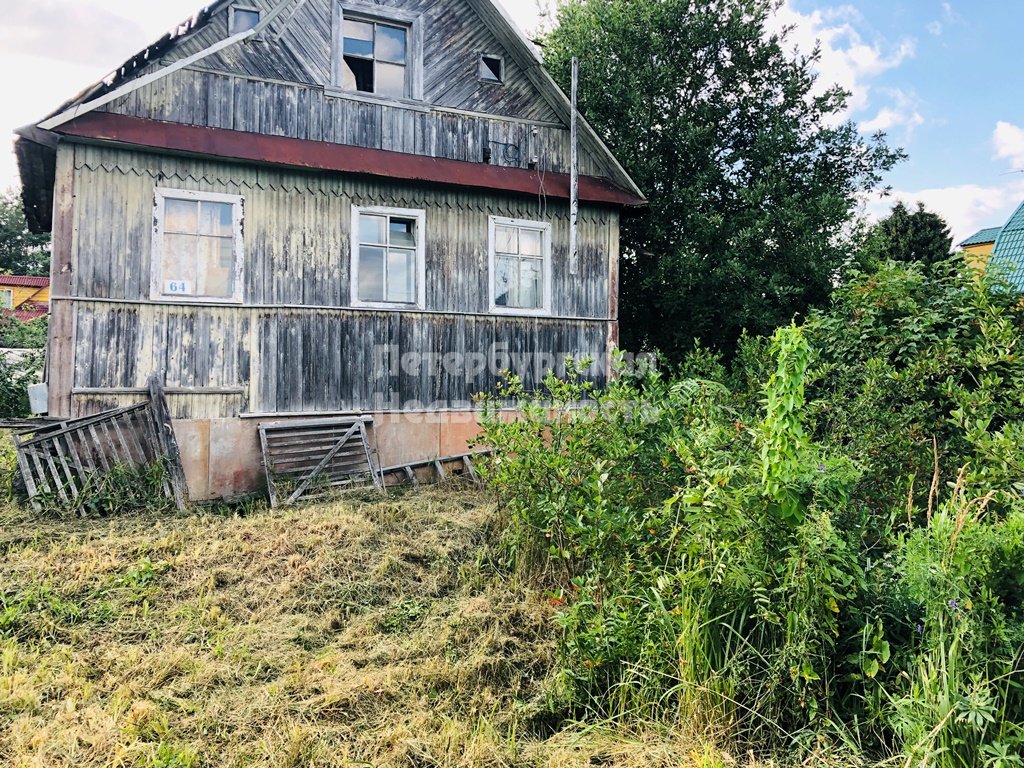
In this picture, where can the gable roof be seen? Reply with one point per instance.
(36, 146)
(987, 235)
(1008, 254)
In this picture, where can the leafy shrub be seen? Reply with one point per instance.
(15, 376)
(776, 550)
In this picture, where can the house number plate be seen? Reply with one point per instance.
(177, 287)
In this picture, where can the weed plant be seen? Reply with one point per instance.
(815, 548)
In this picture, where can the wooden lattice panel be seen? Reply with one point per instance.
(309, 459)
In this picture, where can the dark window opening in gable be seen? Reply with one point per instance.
(375, 57)
(243, 19)
(492, 69)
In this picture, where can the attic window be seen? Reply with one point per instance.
(243, 19)
(492, 69)
(375, 58)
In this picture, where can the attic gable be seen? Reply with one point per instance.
(301, 44)
(274, 80)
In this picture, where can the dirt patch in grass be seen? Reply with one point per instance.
(370, 631)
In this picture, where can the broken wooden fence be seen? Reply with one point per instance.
(309, 459)
(62, 460)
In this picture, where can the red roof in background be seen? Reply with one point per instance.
(24, 315)
(34, 282)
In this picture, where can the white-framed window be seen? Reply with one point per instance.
(242, 19)
(197, 246)
(6, 298)
(377, 51)
(388, 257)
(519, 255)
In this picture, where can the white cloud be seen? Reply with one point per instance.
(87, 33)
(934, 28)
(901, 114)
(966, 207)
(1008, 140)
(847, 59)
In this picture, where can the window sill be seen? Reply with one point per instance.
(369, 98)
(516, 312)
(386, 305)
(176, 299)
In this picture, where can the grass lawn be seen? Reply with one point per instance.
(368, 631)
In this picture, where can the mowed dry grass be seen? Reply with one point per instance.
(370, 631)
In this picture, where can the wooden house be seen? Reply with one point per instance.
(24, 297)
(315, 207)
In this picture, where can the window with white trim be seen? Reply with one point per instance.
(197, 246)
(6, 298)
(520, 266)
(388, 257)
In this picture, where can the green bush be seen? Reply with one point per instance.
(823, 546)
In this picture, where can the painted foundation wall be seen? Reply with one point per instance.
(222, 459)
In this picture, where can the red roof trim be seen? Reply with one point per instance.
(323, 156)
(24, 280)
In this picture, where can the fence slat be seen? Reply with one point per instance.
(61, 458)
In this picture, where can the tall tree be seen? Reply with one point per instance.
(906, 236)
(751, 173)
(21, 252)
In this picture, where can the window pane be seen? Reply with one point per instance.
(403, 232)
(179, 264)
(390, 80)
(506, 282)
(402, 276)
(371, 229)
(390, 44)
(506, 240)
(357, 74)
(358, 38)
(490, 69)
(370, 280)
(216, 219)
(7, 299)
(530, 242)
(530, 276)
(243, 21)
(181, 216)
(216, 268)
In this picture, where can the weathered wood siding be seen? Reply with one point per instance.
(283, 88)
(454, 37)
(295, 344)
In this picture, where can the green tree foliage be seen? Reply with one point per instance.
(820, 547)
(21, 252)
(919, 236)
(750, 174)
(15, 334)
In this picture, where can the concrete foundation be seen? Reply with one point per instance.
(222, 457)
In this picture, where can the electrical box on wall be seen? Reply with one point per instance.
(38, 397)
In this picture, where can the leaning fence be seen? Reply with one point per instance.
(59, 461)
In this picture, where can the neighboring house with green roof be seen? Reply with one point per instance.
(1008, 252)
(978, 247)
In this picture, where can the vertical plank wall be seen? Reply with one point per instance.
(295, 344)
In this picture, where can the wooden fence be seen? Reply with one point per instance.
(62, 460)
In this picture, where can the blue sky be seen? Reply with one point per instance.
(941, 78)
